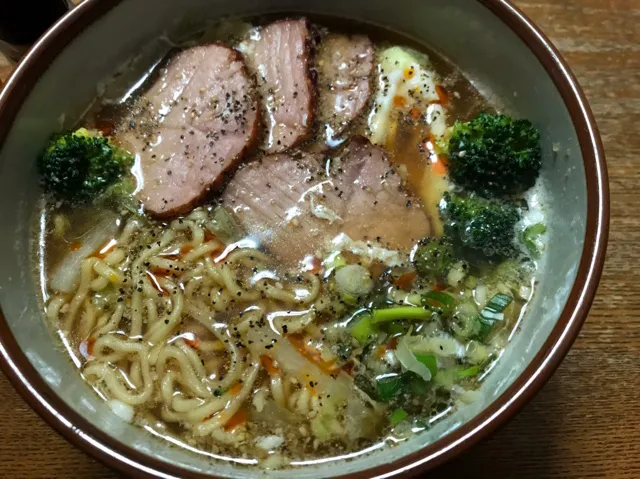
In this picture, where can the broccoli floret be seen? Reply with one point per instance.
(77, 167)
(433, 257)
(495, 155)
(485, 226)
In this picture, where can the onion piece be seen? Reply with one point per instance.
(442, 345)
(337, 389)
(409, 361)
(66, 274)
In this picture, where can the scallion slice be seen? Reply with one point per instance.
(492, 312)
(400, 313)
(437, 299)
(398, 416)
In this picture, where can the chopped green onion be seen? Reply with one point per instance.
(363, 330)
(430, 361)
(531, 235)
(400, 313)
(334, 261)
(220, 391)
(395, 328)
(389, 387)
(492, 312)
(417, 386)
(439, 300)
(468, 372)
(398, 416)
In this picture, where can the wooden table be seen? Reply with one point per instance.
(586, 421)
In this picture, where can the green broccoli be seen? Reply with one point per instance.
(433, 257)
(495, 155)
(78, 167)
(485, 226)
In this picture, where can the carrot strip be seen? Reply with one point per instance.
(236, 420)
(86, 347)
(194, 343)
(415, 113)
(159, 271)
(105, 249)
(313, 355)
(209, 236)
(440, 166)
(269, 365)
(405, 281)
(75, 246)
(235, 389)
(155, 283)
(442, 95)
(399, 101)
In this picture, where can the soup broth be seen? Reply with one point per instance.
(300, 306)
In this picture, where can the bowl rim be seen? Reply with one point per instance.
(118, 455)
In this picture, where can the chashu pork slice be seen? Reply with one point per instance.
(345, 65)
(296, 205)
(191, 128)
(278, 57)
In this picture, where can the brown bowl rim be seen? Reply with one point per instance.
(118, 455)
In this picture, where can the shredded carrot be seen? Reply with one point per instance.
(155, 283)
(313, 355)
(186, 248)
(443, 96)
(392, 344)
(86, 347)
(209, 236)
(75, 246)
(348, 368)
(440, 287)
(105, 249)
(409, 72)
(269, 365)
(236, 420)
(312, 264)
(415, 113)
(194, 343)
(159, 271)
(405, 281)
(380, 351)
(311, 386)
(440, 166)
(399, 101)
(235, 389)
(210, 416)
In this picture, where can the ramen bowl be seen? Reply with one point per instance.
(505, 56)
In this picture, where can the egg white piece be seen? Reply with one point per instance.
(407, 75)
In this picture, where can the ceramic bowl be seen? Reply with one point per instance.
(496, 46)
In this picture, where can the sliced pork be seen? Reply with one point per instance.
(192, 127)
(345, 65)
(296, 205)
(278, 55)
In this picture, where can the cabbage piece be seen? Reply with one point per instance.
(66, 274)
(442, 345)
(409, 361)
(362, 416)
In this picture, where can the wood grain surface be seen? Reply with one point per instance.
(585, 423)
